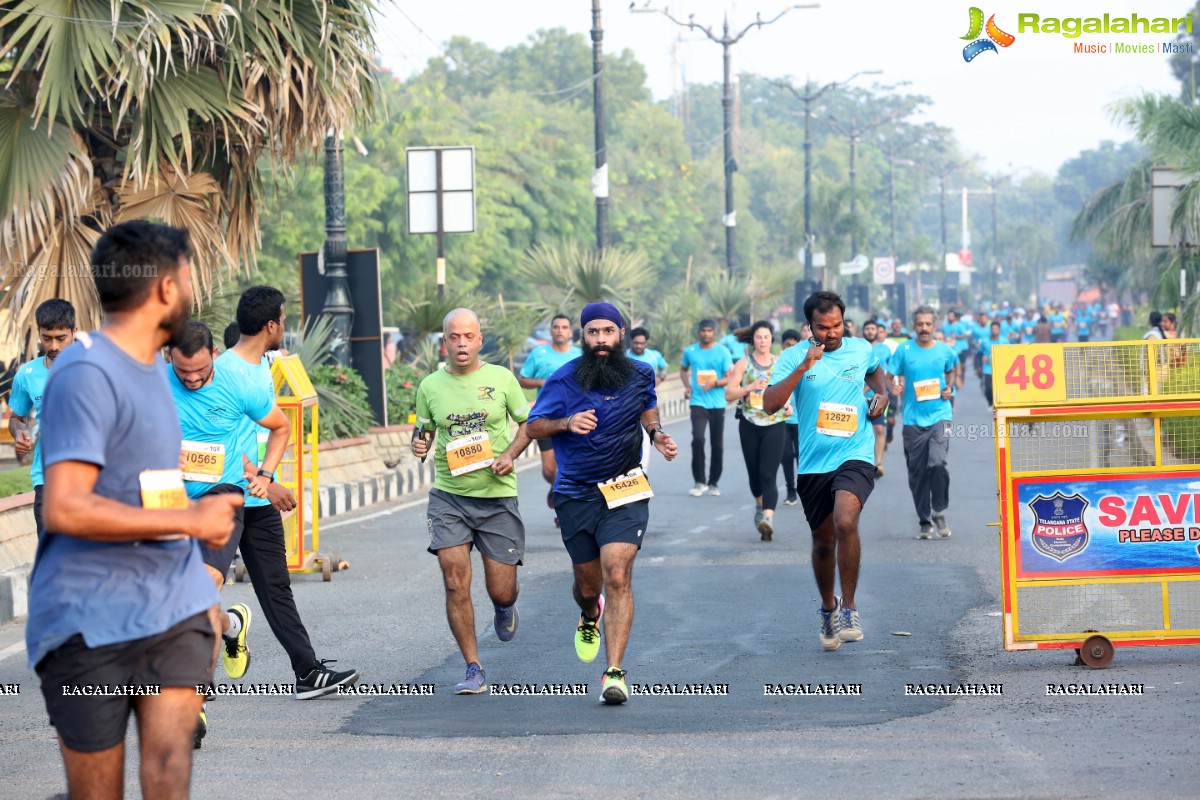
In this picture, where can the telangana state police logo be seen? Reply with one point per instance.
(1058, 527)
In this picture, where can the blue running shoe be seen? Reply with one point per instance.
(474, 683)
(506, 622)
(831, 625)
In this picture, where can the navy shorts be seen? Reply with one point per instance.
(588, 525)
(816, 490)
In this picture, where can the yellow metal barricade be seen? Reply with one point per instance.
(300, 469)
(1098, 462)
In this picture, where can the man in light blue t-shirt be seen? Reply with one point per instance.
(703, 371)
(543, 362)
(995, 337)
(824, 379)
(926, 370)
(56, 329)
(638, 351)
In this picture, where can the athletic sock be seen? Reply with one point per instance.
(235, 625)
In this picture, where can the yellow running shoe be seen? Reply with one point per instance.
(587, 636)
(236, 657)
(613, 690)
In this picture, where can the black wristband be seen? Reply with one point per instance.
(654, 431)
(262, 473)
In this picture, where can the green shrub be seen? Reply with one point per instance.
(402, 381)
(1181, 435)
(342, 394)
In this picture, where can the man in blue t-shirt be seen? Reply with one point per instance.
(925, 369)
(260, 318)
(543, 362)
(985, 348)
(55, 320)
(736, 348)
(824, 379)
(638, 351)
(703, 370)
(119, 596)
(1058, 324)
(212, 401)
(596, 409)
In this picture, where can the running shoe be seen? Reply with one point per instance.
(926, 531)
(321, 680)
(201, 729)
(765, 528)
(831, 625)
(506, 622)
(851, 628)
(758, 517)
(698, 489)
(587, 636)
(236, 657)
(474, 683)
(713, 490)
(613, 690)
(792, 498)
(939, 522)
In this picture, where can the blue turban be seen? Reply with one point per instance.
(607, 311)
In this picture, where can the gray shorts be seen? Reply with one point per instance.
(493, 524)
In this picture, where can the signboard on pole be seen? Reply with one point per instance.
(441, 183)
(883, 270)
(855, 266)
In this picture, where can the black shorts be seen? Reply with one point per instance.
(38, 492)
(544, 445)
(221, 558)
(962, 357)
(588, 525)
(182, 655)
(816, 489)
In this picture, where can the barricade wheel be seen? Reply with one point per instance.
(337, 561)
(239, 571)
(1097, 652)
(326, 569)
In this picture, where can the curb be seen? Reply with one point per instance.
(14, 593)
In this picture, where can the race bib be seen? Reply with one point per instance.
(754, 400)
(625, 489)
(163, 488)
(929, 389)
(203, 462)
(706, 377)
(837, 419)
(469, 453)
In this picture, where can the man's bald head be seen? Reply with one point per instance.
(462, 340)
(460, 316)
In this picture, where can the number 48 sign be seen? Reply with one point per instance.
(1028, 374)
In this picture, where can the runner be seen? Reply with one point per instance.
(260, 320)
(474, 499)
(731, 342)
(791, 436)
(994, 338)
(56, 329)
(1058, 324)
(638, 338)
(823, 378)
(704, 372)
(761, 434)
(925, 371)
(540, 365)
(879, 424)
(119, 596)
(596, 409)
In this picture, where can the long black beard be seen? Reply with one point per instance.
(605, 373)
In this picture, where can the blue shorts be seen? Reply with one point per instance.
(588, 525)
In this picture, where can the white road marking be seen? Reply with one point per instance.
(699, 529)
(12, 650)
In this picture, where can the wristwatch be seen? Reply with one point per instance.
(262, 473)
(654, 431)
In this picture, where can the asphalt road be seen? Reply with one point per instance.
(715, 607)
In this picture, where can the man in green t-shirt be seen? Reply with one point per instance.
(468, 405)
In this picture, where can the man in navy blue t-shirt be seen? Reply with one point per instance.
(595, 409)
(119, 599)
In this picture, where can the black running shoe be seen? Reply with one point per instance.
(322, 680)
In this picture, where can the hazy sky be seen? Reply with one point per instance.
(1033, 104)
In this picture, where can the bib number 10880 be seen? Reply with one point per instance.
(1038, 373)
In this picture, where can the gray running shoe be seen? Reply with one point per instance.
(474, 683)
(939, 522)
(926, 531)
(851, 629)
(831, 625)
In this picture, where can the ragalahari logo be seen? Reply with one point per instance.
(995, 36)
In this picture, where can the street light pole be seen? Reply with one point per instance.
(727, 40)
(337, 298)
(600, 179)
(808, 97)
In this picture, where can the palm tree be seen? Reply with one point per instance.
(568, 275)
(162, 109)
(510, 325)
(726, 297)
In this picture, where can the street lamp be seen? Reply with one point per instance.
(600, 179)
(727, 41)
(809, 96)
(337, 298)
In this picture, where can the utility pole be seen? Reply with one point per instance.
(337, 299)
(600, 178)
(853, 134)
(808, 96)
(727, 40)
